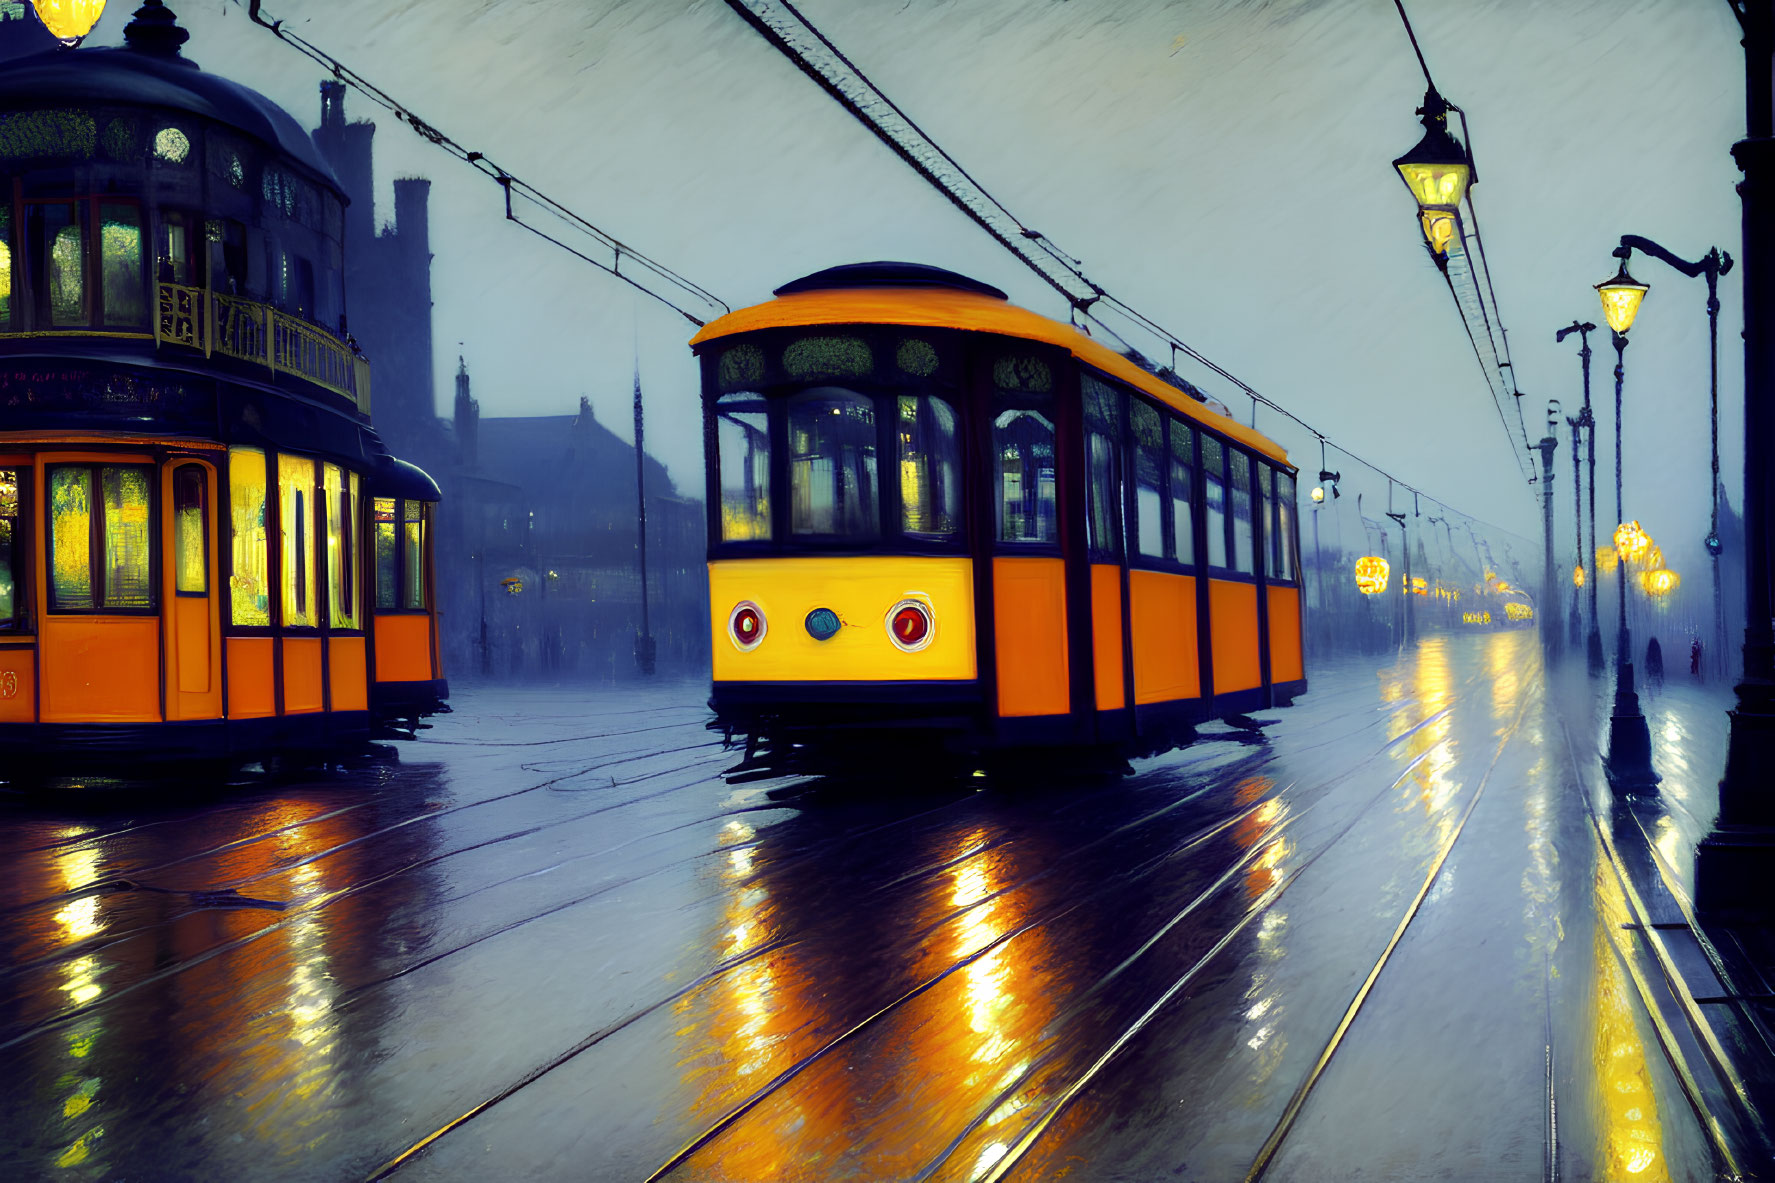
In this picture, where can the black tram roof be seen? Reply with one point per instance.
(151, 75)
(887, 274)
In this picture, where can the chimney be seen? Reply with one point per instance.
(412, 195)
(332, 106)
(468, 420)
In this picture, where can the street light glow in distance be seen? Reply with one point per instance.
(1621, 298)
(69, 20)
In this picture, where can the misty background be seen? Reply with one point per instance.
(1223, 167)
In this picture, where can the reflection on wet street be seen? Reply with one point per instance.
(550, 941)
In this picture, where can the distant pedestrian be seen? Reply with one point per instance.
(1695, 656)
(1654, 664)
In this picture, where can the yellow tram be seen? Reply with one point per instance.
(205, 550)
(933, 511)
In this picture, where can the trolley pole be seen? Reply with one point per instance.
(644, 650)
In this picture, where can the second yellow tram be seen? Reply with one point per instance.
(933, 511)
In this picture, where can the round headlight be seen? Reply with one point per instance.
(745, 624)
(910, 625)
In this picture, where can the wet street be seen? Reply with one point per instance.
(1387, 940)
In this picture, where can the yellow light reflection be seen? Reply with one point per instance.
(1631, 1135)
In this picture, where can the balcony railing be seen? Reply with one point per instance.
(249, 331)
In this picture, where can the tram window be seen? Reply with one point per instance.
(12, 552)
(295, 497)
(1239, 484)
(1266, 514)
(414, 522)
(119, 519)
(128, 533)
(1023, 477)
(832, 473)
(191, 560)
(249, 582)
(228, 262)
(70, 538)
(5, 267)
(387, 555)
(120, 253)
(1148, 428)
(1214, 485)
(55, 237)
(930, 468)
(1183, 455)
(1285, 508)
(1103, 434)
(742, 440)
(342, 580)
(176, 249)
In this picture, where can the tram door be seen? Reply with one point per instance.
(192, 614)
(100, 625)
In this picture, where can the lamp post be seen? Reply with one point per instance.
(1576, 423)
(1549, 613)
(1710, 266)
(1593, 643)
(1731, 863)
(644, 646)
(1629, 761)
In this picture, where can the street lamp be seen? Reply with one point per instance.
(1438, 172)
(1550, 627)
(69, 21)
(1629, 762)
(1710, 266)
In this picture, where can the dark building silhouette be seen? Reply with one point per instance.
(543, 507)
(537, 563)
(387, 285)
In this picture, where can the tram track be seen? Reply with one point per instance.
(1677, 989)
(101, 884)
(1261, 844)
(294, 914)
(1039, 1126)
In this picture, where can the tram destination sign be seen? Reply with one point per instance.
(45, 393)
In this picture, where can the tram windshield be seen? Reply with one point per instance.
(832, 469)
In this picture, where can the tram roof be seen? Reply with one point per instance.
(976, 312)
(136, 77)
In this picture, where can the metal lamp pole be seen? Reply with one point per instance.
(1550, 624)
(1577, 624)
(1593, 643)
(1629, 762)
(1710, 266)
(1731, 863)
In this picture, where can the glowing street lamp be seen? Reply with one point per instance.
(1629, 762)
(1578, 576)
(1371, 575)
(1438, 172)
(68, 21)
(1621, 297)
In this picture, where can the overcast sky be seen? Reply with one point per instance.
(1222, 166)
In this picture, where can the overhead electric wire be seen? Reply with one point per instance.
(508, 182)
(919, 150)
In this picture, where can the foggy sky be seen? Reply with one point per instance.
(1223, 167)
